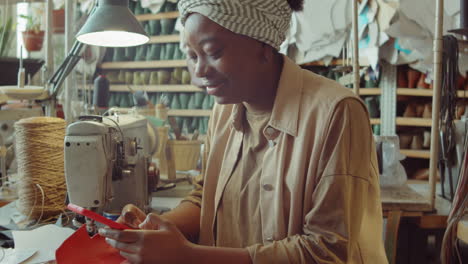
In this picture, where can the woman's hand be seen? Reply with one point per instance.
(131, 216)
(163, 244)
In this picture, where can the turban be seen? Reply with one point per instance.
(264, 20)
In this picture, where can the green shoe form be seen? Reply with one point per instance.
(113, 76)
(108, 55)
(128, 77)
(212, 101)
(130, 53)
(136, 78)
(119, 54)
(198, 99)
(191, 103)
(185, 77)
(117, 98)
(153, 78)
(164, 77)
(177, 75)
(124, 100)
(121, 76)
(155, 27)
(144, 77)
(112, 101)
(206, 103)
(167, 26)
(138, 9)
(194, 124)
(175, 103)
(141, 53)
(184, 99)
(372, 106)
(170, 48)
(376, 130)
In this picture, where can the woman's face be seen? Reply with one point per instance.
(229, 66)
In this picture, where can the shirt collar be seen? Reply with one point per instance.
(285, 113)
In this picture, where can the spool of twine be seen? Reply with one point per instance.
(41, 180)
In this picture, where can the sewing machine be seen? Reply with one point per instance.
(107, 161)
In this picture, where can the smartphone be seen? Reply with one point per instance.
(97, 217)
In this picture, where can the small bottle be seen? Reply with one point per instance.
(101, 91)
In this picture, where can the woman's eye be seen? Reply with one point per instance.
(216, 54)
(192, 57)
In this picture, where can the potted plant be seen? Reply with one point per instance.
(33, 36)
(58, 17)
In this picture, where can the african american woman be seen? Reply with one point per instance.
(290, 172)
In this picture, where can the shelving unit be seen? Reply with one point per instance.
(170, 61)
(156, 88)
(118, 65)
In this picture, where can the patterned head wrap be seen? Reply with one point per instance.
(265, 21)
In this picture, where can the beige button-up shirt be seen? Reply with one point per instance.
(319, 186)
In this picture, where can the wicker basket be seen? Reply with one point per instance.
(185, 153)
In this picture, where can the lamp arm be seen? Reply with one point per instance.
(73, 57)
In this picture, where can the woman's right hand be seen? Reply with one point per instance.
(131, 216)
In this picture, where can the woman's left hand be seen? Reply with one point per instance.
(162, 243)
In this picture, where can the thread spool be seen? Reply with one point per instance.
(39, 153)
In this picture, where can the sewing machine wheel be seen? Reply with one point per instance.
(153, 177)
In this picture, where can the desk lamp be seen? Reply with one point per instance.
(110, 24)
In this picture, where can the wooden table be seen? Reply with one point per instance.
(411, 201)
(462, 230)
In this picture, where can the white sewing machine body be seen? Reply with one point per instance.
(106, 162)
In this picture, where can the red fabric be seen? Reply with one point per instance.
(81, 248)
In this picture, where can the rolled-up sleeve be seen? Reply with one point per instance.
(332, 227)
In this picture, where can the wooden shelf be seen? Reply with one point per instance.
(170, 88)
(411, 153)
(11, 2)
(336, 62)
(375, 121)
(413, 121)
(143, 64)
(414, 92)
(462, 94)
(164, 39)
(370, 91)
(157, 16)
(189, 112)
(425, 92)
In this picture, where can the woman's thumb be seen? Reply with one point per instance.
(155, 222)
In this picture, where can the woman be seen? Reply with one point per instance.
(290, 172)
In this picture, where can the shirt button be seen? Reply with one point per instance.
(271, 143)
(267, 187)
(270, 131)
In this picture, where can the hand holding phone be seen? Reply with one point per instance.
(97, 217)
